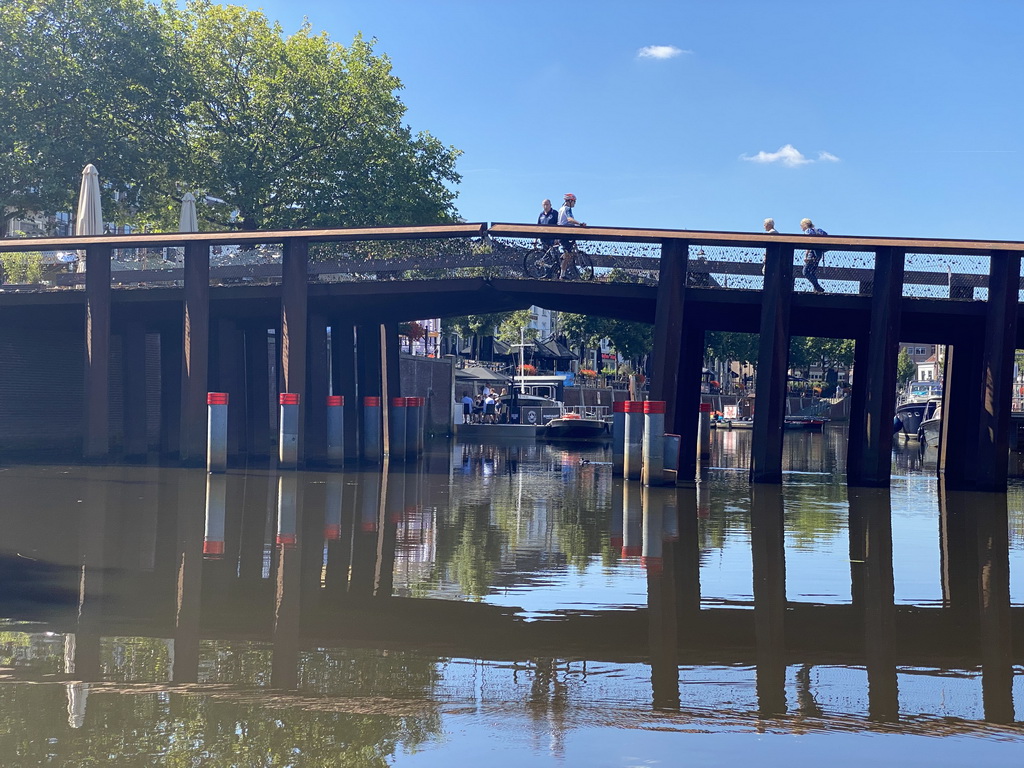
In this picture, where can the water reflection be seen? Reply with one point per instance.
(266, 613)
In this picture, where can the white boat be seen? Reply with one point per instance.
(930, 431)
(580, 423)
(910, 410)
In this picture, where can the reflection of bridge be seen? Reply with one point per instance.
(960, 293)
(330, 581)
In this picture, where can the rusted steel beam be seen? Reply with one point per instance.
(171, 239)
(772, 366)
(832, 242)
(195, 352)
(870, 460)
(97, 351)
(294, 319)
(997, 362)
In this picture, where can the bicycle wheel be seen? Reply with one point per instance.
(584, 266)
(534, 264)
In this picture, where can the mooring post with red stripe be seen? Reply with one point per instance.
(288, 440)
(216, 495)
(654, 443)
(217, 431)
(414, 426)
(371, 428)
(332, 510)
(633, 452)
(398, 433)
(336, 429)
(704, 436)
(618, 436)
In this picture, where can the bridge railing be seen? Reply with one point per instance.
(945, 269)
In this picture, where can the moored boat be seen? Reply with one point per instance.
(586, 424)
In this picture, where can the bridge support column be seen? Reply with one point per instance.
(170, 389)
(343, 380)
(96, 443)
(391, 379)
(317, 389)
(196, 353)
(869, 460)
(999, 340)
(772, 365)
(368, 352)
(229, 357)
(668, 327)
(961, 410)
(257, 390)
(133, 366)
(294, 319)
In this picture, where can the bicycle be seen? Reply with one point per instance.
(546, 263)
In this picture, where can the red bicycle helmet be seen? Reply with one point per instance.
(570, 197)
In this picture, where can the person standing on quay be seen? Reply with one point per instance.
(812, 258)
(566, 219)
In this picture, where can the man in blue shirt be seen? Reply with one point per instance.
(812, 258)
(548, 218)
(566, 219)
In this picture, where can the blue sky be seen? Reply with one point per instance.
(893, 117)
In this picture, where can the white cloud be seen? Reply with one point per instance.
(660, 52)
(789, 156)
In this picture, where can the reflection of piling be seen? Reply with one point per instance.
(336, 429)
(217, 431)
(633, 452)
(632, 534)
(287, 510)
(704, 443)
(651, 556)
(288, 441)
(398, 433)
(653, 471)
(618, 436)
(216, 496)
(371, 428)
(332, 507)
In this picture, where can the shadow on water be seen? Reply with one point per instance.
(166, 612)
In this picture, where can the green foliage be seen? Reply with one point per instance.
(633, 340)
(22, 267)
(86, 81)
(906, 368)
(510, 326)
(288, 131)
(739, 347)
(805, 351)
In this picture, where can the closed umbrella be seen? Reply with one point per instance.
(89, 219)
(188, 222)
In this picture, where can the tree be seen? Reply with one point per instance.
(906, 368)
(725, 345)
(301, 131)
(86, 81)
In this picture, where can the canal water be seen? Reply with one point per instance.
(510, 605)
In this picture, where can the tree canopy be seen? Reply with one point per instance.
(268, 130)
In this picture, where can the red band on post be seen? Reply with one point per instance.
(216, 398)
(654, 406)
(705, 407)
(371, 401)
(619, 406)
(335, 400)
(288, 398)
(398, 402)
(634, 406)
(286, 539)
(213, 547)
(414, 402)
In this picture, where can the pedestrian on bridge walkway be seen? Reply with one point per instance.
(812, 258)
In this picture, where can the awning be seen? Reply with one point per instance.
(478, 373)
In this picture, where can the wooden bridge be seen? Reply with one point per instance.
(211, 313)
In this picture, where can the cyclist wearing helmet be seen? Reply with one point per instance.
(566, 219)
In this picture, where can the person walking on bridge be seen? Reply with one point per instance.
(812, 258)
(567, 219)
